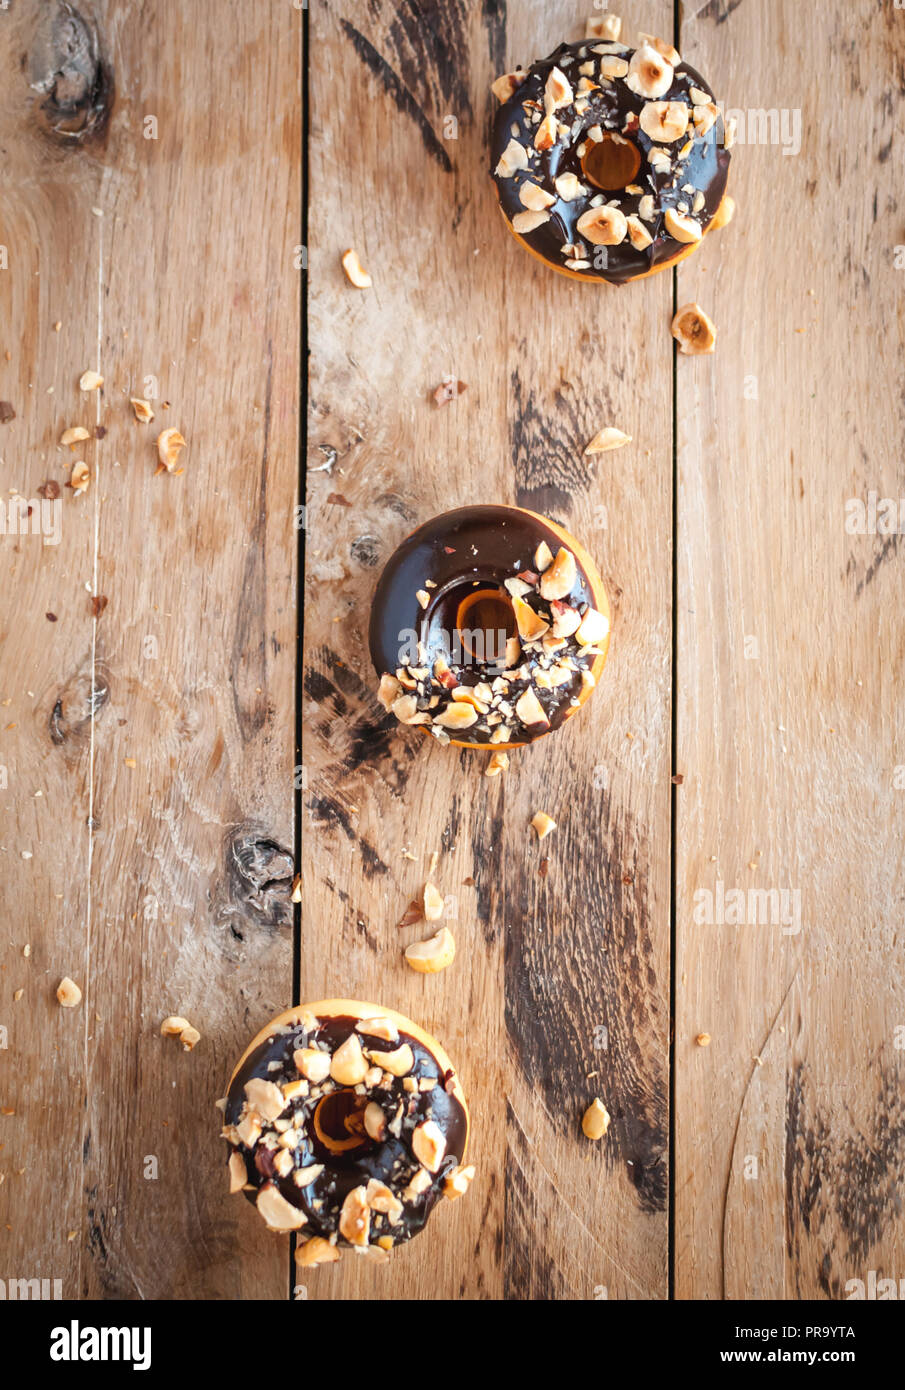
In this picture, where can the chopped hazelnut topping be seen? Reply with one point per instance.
(524, 222)
(603, 226)
(68, 993)
(612, 67)
(304, 1177)
(381, 1198)
(693, 330)
(594, 627)
(431, 956)
(547, 132)
(724, 213)
(507, 85)
(704, 117)
(355, 272)
(388, 691)
(355, 1217)
(557, 91)
(558, 579)
(418, 1184)
(429, 1145)
(238, 1176)
(530, 710)
(532, 196)
(315, 1251)
(457, 717)
(664, 120)
(596, 1120)
(499, 762)
(397, 1063)
(543, 557)
(682, 227)
(265, 1097)
(650, 75)
(348, 1065)
(458, 1182)
(638, 234)
(530, 624)
(374, 1121)
(313, 1064)
(569, 187)
(513, 159)
(279, 1214)
(543, 824)
(249, 1129)
(607, 26)
(433, 903)
(378, 1028)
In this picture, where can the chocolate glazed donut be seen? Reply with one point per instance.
(346, 1123)
(490, 626)
(610, 162)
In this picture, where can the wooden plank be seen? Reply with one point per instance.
(177, 898)
(560, 988)
(789, 661)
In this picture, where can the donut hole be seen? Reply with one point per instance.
(485, 620)
(611, 163)
(339, 1121)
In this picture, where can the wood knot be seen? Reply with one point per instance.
(79, 702)
(259, 876)
(69, 69)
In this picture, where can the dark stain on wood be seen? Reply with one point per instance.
(718, 10)
(68, 66)
(548, 443)
(432, 51)
(493, 17)
(529, 1270)
(398, 93)
(846, 1177)
(598, 974)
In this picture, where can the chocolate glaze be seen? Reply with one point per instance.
(391, 1161)
(706, 168)
(483, 544)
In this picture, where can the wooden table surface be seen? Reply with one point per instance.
(748, 733)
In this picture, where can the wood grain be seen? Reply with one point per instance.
(147, 759)
(560, 987)
(789, 748)
(161, 887)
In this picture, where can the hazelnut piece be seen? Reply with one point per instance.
(664, 120)
(431, 956)
(693, 330)
(348, 1065)
(429, 1145)
(279, 1214)
(596, 1120)
(603, 226)
(355, 271)
(558, 579)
